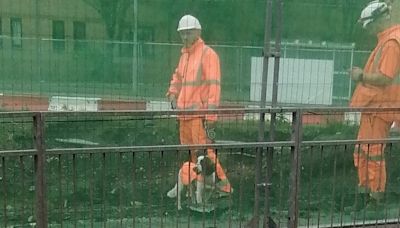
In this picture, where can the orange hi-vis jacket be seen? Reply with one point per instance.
(369, 158)
(196, 80)
(385, 58)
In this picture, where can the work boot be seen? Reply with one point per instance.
(376, 201)
(360, 202)
(375, 209)
(224, 187)
(374, 204)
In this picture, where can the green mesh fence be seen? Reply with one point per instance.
(102, 54)
(107, 70)
(128, 50)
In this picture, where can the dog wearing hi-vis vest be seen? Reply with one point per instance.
(194, 176)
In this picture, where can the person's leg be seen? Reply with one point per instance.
(369, 158)
(360, 162)
(186, 137)
(200, 137)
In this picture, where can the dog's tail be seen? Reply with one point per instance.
(173, 192)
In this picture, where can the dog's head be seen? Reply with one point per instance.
(204, 166)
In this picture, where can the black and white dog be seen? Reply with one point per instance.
(192, 175)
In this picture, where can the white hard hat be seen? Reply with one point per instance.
(373, 11)
(188, 22)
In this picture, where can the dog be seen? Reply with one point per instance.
(200, 174)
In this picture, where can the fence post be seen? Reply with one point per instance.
(295, 170)
(41, 207)
(261, 129)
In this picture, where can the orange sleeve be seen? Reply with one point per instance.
(175, 84)
(389, 63)
(212, 77)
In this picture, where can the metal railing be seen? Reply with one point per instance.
(312, 181)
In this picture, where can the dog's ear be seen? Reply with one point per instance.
(199, 167)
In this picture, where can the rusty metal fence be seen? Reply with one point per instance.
(55, 172)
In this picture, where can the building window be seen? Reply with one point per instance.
(79, 34)
(58, 35)
(16, 32)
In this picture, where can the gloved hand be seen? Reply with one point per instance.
(173, 104)
(172, 100)
(356, 74)
(210, 130)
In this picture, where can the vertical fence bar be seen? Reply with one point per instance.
(120, 190)
(163, 181)
(346, 150)
(295, 171)
(332, 209)
(60, 189)
(274, 101)
(281, 202)
(23, 205)
(319, 191)
(74, 190)
(266, 53)
(310, 195)
(41, 207)
(149, 178)
(133, 176)
(241, 172)
(4, 180)
(91, 189)
(103, 194)
(177, 164)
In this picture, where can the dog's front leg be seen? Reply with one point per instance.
(179, 197)
(199, 191)
(191, 193)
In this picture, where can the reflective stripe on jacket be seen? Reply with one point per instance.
(196, 80)
(385, 59)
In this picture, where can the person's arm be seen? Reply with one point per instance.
(375, 79)
(387, 67)
(175, 86)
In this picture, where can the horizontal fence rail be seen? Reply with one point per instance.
(114, 169)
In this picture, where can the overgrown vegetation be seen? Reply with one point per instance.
(119, 185)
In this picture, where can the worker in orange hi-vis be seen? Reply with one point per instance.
(195, 85)
(378, 85)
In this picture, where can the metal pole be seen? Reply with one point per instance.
(351, 65)
(261, 128)
(38, 42)
(270, 150)
(41, 206)
(135, 49)
(295, 170)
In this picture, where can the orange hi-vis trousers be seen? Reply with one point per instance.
(191, 131)
(369, 158)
